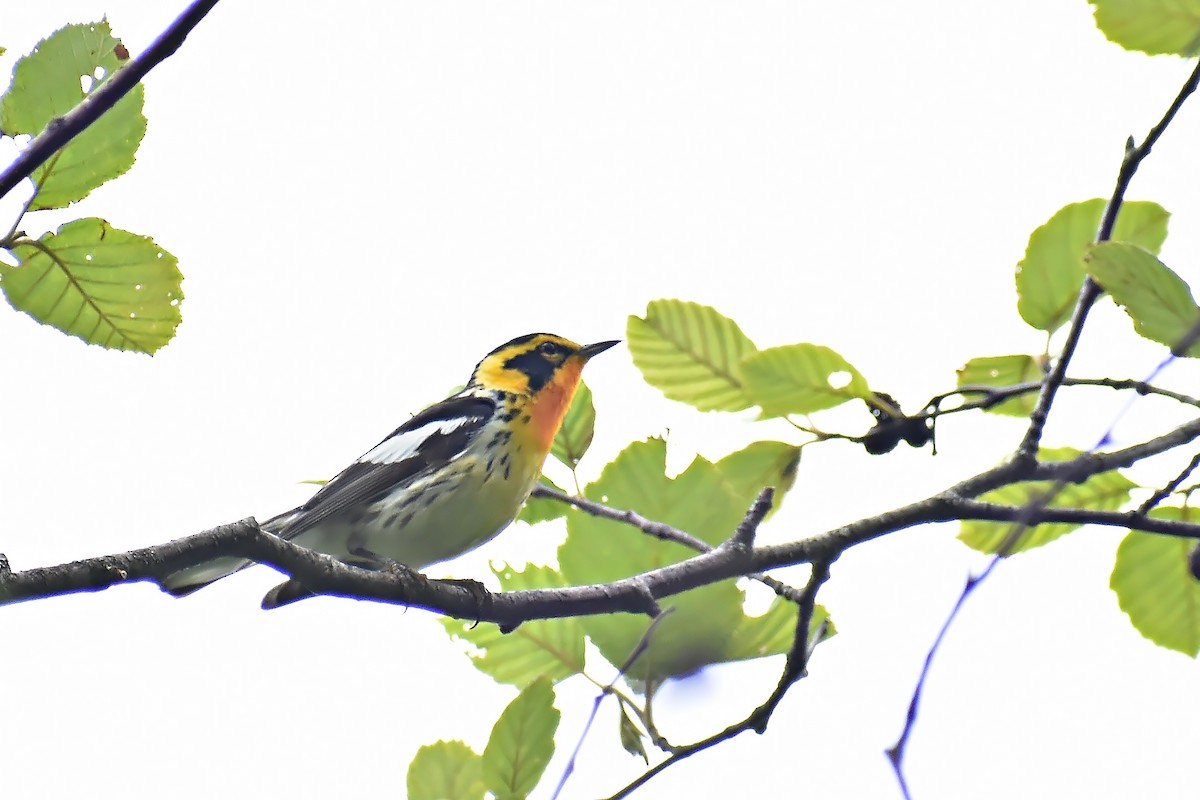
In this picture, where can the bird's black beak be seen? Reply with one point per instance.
(587, 351)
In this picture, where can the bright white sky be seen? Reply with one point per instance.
(366, 198)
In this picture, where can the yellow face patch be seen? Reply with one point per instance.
(492, 373)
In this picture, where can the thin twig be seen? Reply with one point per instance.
(634, 655)
(1090, 291)
(61, 130)
(994, 395)
(794, 668)
(661, 530)
(7, 242)
(1171, 486)
(1058, 372)
(895, 753)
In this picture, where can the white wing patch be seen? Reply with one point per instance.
(404, 446)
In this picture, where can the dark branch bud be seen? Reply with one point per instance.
(892, 426)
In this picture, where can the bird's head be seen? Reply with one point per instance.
(543, 368)
(533, 363)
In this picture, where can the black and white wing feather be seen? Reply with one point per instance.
(430, 439)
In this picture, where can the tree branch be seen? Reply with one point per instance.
(638, 594)
(61, 130)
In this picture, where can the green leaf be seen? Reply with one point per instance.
(1002, 371)
(1155, 298)
(801, 379)
(575, 435)
(691, 353)
(106, 286)
(1106, 491)
(549, 648)
(631, 736)
(1052, 272)
(772, 633)
(446, 771)
(542, 509)
(701, 502)
(758, 465)
(1155, 588)
(1151, 26)
(47, 84)
(521, 743)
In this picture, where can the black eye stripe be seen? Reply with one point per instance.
(537, 364)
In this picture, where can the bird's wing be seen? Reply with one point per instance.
(430, 439)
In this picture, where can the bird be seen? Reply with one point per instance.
(447, 480)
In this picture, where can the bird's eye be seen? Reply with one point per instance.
(550, 349)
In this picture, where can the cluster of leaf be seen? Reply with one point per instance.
(88, 279)
(694, 354)
(516, 755)
(1060, 254)
(697, 356)
(1151, 576)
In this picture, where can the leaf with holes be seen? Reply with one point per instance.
(1052, 272)
(801, 379)
(691, 353)
(1155, 588)
(106, 286)
(601, 550)
(1106, 491)
(1151, 26)
(549, 648)
(63, 69)
(575, 435)
(704, 620)
(521, 743)
(1000, 371)
(1155, 298)
(446, 770)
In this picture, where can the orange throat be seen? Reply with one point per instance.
(549, 406)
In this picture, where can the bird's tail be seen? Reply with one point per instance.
(189, 580)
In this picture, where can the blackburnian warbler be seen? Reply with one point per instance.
(445, 481)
